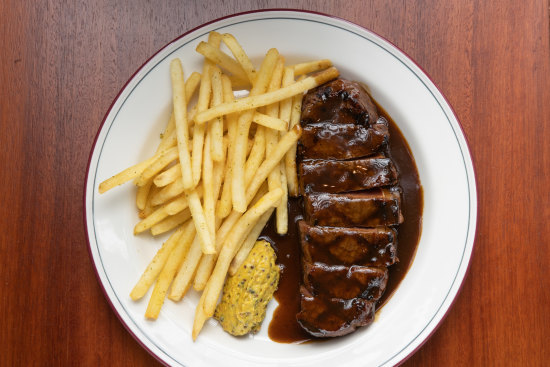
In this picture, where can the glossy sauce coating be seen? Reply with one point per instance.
(342, 141)
(340, 121)
(284, 327)
(345, 176)
(357, 209)
(346, 282)
(348, 246)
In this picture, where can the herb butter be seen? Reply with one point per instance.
(247, 293)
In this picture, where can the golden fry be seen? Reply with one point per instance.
(274, 84)
(256, 155)
(205, 93)
(126, 175)
(216, 125)
(201, 225)
(282, 208)
(225, 204)
(271, 136)
(185, 274)
(199, 320)
(176, 205)
(285, 107)
(249, 242)
(285, 111)
(149, 207)
(240, 55)
(150, 220)
(208, 187)
(191, 85)
(311, 66)
(168, 139)
(221, 59)
(171, 191)
(290, 157)
(155, 266)
(167, 274)
(272, 161)
(158, 165)
(270, 122)
(171, 222)
(243, 126)
(168, 176)
(143, 194)
(255, 101)
(180, 115)
(233, 240)
(208, 261)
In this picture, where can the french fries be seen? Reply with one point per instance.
(220, 58)
(290, 157)
(216, 125)
(240, 55)
(199, 129)
(225, 203)
(256, 156)
(170, 222)
(221, 168)
(201, 225)
(285, 111)
(182, 127)
(249, 242)
(255, 101)
(161, 162)
(243, 126)
(155, 266)
(168, 176)
(311, 66)
(185, 274)
(143, 194)
(271, 122)
(282, 208)
(156, 216)
(233, 240)
(126, 175)
(168, 271)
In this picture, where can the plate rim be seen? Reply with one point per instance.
(471, 183)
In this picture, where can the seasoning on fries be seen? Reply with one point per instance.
(223, 166)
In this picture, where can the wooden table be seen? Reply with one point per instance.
(61, 65)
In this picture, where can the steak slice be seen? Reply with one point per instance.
(340, 121)
(347, 282)
(328, 140)
(339, 101)
(341, 176)
(323, 316)
(379, 207)
(348, 246)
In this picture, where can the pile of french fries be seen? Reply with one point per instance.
(222, 167)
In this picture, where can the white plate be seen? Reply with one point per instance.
(400, 86)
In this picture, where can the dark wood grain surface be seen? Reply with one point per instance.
(62, 63)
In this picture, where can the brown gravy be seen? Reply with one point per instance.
(284, 328)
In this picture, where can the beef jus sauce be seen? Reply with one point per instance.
(284, 327)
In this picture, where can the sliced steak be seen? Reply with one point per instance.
(323, 316)
(339, 101)
(352, 204)
(328, 140)
(344, 176)
(340, 121)
(379, 207)
(348, 246)
(347, 282)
